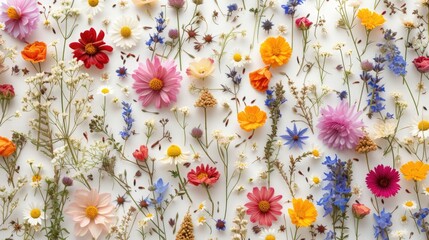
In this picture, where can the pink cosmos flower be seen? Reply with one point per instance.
(383, 181)
(157, 82)
(340, 127)
(92, 212)
(263, 206)
(20, 17)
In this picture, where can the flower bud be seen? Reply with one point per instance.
(141, 154)
(303, 23)
(197, 133)
(173, 34)
(366, 66)
(67, 181)
(6, 91)
(360, 210)
(177, 4)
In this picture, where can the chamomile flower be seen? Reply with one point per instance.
(356, 191)
(238, 59)
(126, 32)
(316, 153)
(94, 6)
(269, 234)
(421, 129)
(315, 181)
(175, 155)
(409, 205)
(34, 215)
(201, 206)
(404, 219)
(104, 90)
(399, 234)
(201, 220)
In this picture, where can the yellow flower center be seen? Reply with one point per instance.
(316, 180)
(156, 84)
(90, 49)
(409, 203)
(12, 13)
(315, 153)
(35, 213)
(264, 206)
(105, 90)
(270, 237)
(174, 151)
(91, 212)
(427, 189)
(202, 219)
(202, 175)
(404, 218)
(423, 125)
(93, 3)
(237, 57)
(36, 178)
(125, 32)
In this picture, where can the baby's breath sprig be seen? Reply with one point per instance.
(225, 39)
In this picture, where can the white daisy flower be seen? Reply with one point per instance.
(269, 234)
(126, 32)
(94, 6)
(105, 90)
(421, 129)
(409, 205)
(34, 215)
(315, 181)
(238, 59)
(175, 155)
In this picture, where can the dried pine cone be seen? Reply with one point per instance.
(186, 231)
(366, 145)
(206, 100)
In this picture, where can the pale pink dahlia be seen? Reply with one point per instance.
(92, 213)
(340, 127)
(157, 82)
(20, 17)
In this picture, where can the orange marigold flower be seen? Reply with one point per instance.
(7, 147)
(275, 51)
(251, 118)
(416, 171)
(260, 78)
(303, 214)
(370, 19)
(34, 52)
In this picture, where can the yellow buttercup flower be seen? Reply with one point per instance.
(251, 118)
(303, 214)
(416, 171)
(275, 51)
(370, 19)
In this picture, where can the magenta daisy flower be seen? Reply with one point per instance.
(20, 17)
(383, 181)
(157, 82)
(340, 127)
(263, 206)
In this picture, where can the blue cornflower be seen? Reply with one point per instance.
(290, 6)
(295, 138)
(383, 221)
(232, 7)
(342, 95)
(128, 119)
(221, 225)
(121, 72)
(267, 25)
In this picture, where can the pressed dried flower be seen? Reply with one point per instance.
(370, 19)
(416, 170)
(251, 118)
(186, 231)
(365, 145)
(205, 100)
(275, 51)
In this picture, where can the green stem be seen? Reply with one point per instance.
(411, 94)
(182, 184)
(179, 37)
(210, 198)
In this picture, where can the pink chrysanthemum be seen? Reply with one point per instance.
(92, 212)
(340, 127)
(20, 17)
(157, 82)
(263, 206)
(383, 181)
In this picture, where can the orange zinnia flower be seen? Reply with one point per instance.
(7, 147)
(275, 51)
(34, 52)
(416, 171)
(260, 78)
(251, 118)
(370, 19)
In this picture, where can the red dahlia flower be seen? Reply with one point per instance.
(91, 49)
(203, 175)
